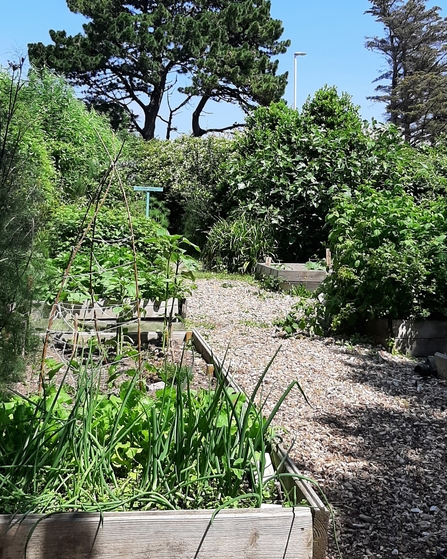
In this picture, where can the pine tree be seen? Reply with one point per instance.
(131, 54)
(415, 48)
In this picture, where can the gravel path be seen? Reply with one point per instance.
(375, 437)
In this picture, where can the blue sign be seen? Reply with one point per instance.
(148, 190)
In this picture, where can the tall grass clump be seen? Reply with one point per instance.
(237, 244)
(81, 449)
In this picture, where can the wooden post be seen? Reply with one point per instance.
(210, 370)
(328, 258)
(188, 336)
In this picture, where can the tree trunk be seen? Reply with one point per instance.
(197, 131)
(153, 108)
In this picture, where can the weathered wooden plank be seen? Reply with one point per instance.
(292, 274)
(271, 533)
(149, 331)
(104, 311)
(209, 356)
(309, 285)
(298, 490)
(420, 328)
(415, 338)
(441, 364)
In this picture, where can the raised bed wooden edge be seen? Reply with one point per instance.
(411, 337)
(106, 310)
(292, 274)
(266, 533)
(300, 489)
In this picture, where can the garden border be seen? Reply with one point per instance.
(267, 533)
(301, 489)
(296, 274)
(410, 337)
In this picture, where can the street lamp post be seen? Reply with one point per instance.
(295, 56)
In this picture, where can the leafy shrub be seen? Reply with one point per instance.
(189, 171)
(104, 266)
(390, 256)
(390, 261)
(111, 227)
(237, 244)
(76, 138)
(308, 316)
(289, 167)
(26, 176)
(421, 171)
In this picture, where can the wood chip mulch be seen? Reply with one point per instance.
(374, 437)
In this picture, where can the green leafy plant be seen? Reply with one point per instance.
(173, 373)
(271, 283)
(74, 137)
(104, 266)
(86, 450)
(307, 316)
(299, 290)
(315, 265)
(189, 171)
(236, 245)
(25, 186)
(289, 167)
(390, 255)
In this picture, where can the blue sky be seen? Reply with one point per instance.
(331, 33)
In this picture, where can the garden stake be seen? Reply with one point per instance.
(95, 316)
(328, 258)
(134, 251)
(75, 337)
(108, 175)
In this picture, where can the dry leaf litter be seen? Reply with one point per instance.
(374, 437)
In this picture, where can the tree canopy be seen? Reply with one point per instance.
(288, 167)
(414, 46)
(132, 53)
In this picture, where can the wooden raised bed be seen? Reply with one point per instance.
(411, 337)
(290, 274)
(271, 532)
(105, 310)
(267, 533)
(101, 319)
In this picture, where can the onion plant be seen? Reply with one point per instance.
(82, 449)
